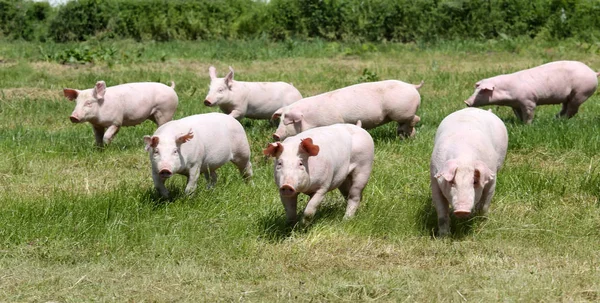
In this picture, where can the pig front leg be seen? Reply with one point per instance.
(527, 111)
(442, 209)
(159, 184)
(486, 198)
(290, 206)
(237, 114)
(98, 134)
(110, 133)
(312, 205)
(192, 181)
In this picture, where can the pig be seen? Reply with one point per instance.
(469, 149)
(374, 103)
(194, 145)
(109, 108)
(566, 82)
(254, 100)
(320, 160)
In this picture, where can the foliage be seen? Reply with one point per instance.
(339, 20)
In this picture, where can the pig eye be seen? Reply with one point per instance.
(88, 104)
(221, 90)
(175, 151)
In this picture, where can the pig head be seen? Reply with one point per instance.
(220, 88)
(462, 184)
(292, 174)
(165, 153)
(483, 95)
(87, 102)
(291, 124)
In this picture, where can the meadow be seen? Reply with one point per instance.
(78, 223)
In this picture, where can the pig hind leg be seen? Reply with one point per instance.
(574, 103)
(352, 190)
(241, 159)
(406, 129)
(161, 118)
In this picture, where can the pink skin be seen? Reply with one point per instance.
(470, 146)
(571, 83)
(110, 108)
(320, 160)
(373, 103)
(255, 100)
(195, 145)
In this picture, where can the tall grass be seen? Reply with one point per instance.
(82, 224)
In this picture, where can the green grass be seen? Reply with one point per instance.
(82, 224)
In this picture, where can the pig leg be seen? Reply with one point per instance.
(236, 114)
(98, 134)
(441, 207)
(407, 129)
(159, 184)
(110, 133)
(358, 183)
(159, 118)
(244, 166)
(518, 113)
(563, 111)
(527, 110)
(312, 205)
(290, 205)
(211, 179)
(192, 181)
(572, 108)
(486, 198)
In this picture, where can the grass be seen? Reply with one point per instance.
(81, 224)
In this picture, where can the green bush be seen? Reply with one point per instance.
(334, 20)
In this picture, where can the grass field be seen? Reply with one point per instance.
(82, 224)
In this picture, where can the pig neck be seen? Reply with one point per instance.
(242, 90)
(503, 86)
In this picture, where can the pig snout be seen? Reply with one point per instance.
(462, 213)
(287, 190)
(276, 137)
(74, 119)
(207, 103)
(165, 173)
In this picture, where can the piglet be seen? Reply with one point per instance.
(255, 100)
(374, 103)
(109, 108)
(566, 82)
(320, 160)
(469, 149)
(197, 144)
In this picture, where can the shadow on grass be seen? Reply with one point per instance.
(274, 226)
(151, 196)
(459, 228)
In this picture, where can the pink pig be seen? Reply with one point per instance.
(373, 103)
(195, 145)
(320, 160)
(255, 100)
(566, 82)
(109, 108)
(469, 149)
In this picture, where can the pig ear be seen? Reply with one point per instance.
(273, 149)
(70, 93)
(292, 117)
(449, 171)
(100, 89)
(485, 86)
(212, 72)
(229, 77)
(277, 114)
(151, 142)
(483, 174)
(308, 146)
(185, 137)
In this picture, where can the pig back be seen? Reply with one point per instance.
(138, 101)
(472, 131)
